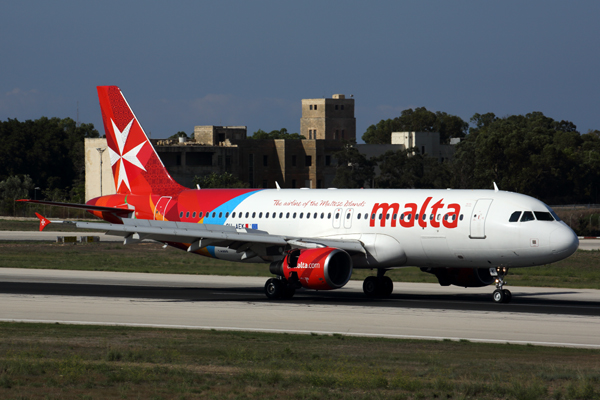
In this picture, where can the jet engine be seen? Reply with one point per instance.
(465, 277)
(320, 269)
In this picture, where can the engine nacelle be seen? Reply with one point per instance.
(320, 269)
(465, 277)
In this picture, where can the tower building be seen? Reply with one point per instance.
(331, 119)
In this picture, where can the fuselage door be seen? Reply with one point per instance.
(348, 218)
(478, 218)
(161, 208)
(337, 217)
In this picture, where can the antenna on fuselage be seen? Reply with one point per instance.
(495, 187)
(198, 186)
(277, 185)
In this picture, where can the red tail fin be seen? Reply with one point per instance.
(135, 164)
(44, 222)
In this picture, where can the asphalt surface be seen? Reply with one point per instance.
(563, 317)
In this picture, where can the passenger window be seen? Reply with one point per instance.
(527, 216)
(232, 215)
(307, 215)
(254, 214)
(259, 215)
(301, 215)
(214, 213)
(280, 215)
(348, 216)
(402, 217)
(329, 215)
(446, 217)
(395, 216)
(515, 216)
(358, 216)
(247, 214)
(315, 216)
(187, 214)
(461, 217)
(294, 216)
(387, 216)
(439, 216)
(181, 214)
(322, 215)
(200, 215)
(380, 216)
(267, 215)
(227, 214)
(220, 214)
(408, 217)
(372, 216)
(416, 217)
(543, 216)
(431, 217)
(194, 214)
(287, 215)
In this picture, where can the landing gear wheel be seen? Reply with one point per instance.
(371, 286)
(387, 286)
(499, 296)
(274, 288)
(507, 295)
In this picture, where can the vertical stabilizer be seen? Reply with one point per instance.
(135, 164)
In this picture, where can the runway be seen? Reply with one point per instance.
(541, 316)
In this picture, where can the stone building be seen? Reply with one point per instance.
(328, 119)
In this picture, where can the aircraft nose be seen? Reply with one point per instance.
(564, 240)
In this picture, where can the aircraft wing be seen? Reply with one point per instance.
(202, 235)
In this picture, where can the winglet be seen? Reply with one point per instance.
(44, 222)
(495, 187)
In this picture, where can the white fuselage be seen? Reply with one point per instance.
(455, 228)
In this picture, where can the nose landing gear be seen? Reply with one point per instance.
(500, 295)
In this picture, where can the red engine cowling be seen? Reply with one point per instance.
(320, 269)
(465, 277)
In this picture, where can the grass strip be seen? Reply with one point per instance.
(96, 362)
(582, 270)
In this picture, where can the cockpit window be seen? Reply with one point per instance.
(543, 216)
(553, 213)
(527, 216)
(515, 216)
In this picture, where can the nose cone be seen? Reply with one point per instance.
(563, 241)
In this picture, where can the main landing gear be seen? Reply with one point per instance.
(279, 288)
(379, 286)
(500, 295)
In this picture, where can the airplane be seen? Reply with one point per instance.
(315, 238)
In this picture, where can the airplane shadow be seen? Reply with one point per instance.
(521, 302)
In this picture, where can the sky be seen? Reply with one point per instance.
(186, 63)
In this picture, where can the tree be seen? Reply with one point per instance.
(276, 134)
(49, 150)
(407, 169)
(417, 120)
(531, 154)
(216, 180)
(13, 188)
(353, 169)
